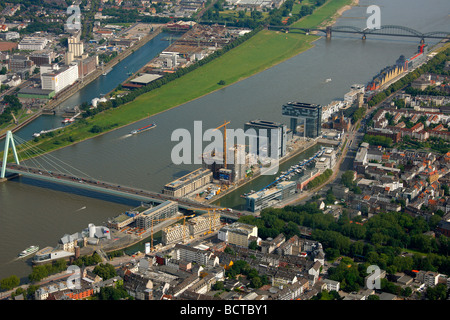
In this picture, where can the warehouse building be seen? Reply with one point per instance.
(145, 79)
(32, 43)
(59, 78)
(188, 183)
(35, 93)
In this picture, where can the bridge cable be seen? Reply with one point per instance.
(38, 165)
(53, 164)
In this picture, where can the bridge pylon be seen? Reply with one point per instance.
(328, 32)
(8, 140)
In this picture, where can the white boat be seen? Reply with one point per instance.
(107, 71)
(28, 251)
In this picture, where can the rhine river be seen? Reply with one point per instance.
(32, 215)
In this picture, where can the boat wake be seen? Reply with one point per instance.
(125, 136)
(82, 208)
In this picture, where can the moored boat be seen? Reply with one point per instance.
(28, 251)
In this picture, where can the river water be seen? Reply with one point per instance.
(100, 86)
(34, 215)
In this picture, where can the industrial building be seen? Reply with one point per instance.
(18, 62)
(265, 198)
(310, 114)
(32, 43)
(87, 65)
(35, 93)
(75, 48)
(239, 234)
(165, 210)
(188, 183)
(41, 58)
(58, 78)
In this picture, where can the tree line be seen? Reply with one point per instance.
(131, 95)
(379, 241)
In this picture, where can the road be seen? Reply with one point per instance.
(352, 139)
(119, 190)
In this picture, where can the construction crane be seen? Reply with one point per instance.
(211, 216)
(164, 219)
(224, 141)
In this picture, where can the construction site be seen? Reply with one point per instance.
(167, 221)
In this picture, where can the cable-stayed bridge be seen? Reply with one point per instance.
(48, 168)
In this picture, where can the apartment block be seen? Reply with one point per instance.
(239, 234)
(203, 224)
(174, 234)
(166, 209)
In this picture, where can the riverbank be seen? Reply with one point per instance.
(69, 92)
(264, 50)
(99, 71)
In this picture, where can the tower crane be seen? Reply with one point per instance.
(211, 215)
(224, 141)
(164, 219)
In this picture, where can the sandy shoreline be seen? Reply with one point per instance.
(339, 13)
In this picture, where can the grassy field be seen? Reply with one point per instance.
(322, 15)
(262, 51)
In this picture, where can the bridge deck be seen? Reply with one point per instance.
(114, 189)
